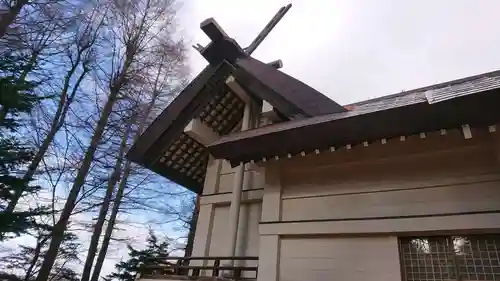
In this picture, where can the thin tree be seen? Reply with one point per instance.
(103, 211)
(80, 55)
(116, 204)
(170, 77)
(171, 63)
(191, 225)
(133, 28)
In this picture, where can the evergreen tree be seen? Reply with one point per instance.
(26, 261)
(127, 270)
(16, 98)
(17, 95)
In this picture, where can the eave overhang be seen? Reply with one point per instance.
(290, 96)
(473, 103)
(166, 149)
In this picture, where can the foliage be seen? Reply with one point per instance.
(26, 259)
(16, 99)
(17, 93)
(127, 270)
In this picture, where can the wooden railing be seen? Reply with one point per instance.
(182, 266)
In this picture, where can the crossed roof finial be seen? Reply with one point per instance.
(226, 48)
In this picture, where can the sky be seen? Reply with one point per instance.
(353, 50)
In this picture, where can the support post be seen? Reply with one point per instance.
(234, 209)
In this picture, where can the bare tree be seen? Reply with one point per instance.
(134, 32)
(112, 181)
(32, 41)
(169, 78)
(80, 55)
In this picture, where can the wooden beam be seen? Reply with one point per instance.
(201, 132)
(212, 29)
(466, 131)
(237, 89)
(276, 64)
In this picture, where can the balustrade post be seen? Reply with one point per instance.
(215, 271)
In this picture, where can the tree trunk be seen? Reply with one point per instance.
(56, 124)
(60, 227)
(192, 230)
(36, 255)
(119, 195)
(7, 18)
(3, 114)
(114, 178)
(111, 224)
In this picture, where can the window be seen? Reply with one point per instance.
(474, 257)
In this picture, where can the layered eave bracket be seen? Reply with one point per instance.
(167, 150)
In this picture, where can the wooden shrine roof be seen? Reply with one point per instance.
(473, 100)
(167, 150)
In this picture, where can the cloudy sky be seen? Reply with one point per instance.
(352, 50)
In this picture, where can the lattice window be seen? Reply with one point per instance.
(474, 257)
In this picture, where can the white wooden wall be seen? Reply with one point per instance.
(450, 182)
(342, 259)
(248, 233)
(334, 215)
(211, 233)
